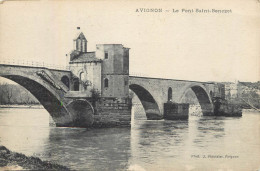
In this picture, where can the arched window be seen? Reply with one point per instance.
(76, 84)
(79, 45)
(82, 76)
(170, 94)
(106, 82)
(66, 81)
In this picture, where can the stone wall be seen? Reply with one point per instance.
(115, 69)
(176, 111)
(90, 71)
(111, 112)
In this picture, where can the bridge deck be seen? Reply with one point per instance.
(168, 79)
(38, 67)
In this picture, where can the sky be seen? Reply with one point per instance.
(187, 46)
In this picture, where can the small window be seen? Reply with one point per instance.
(76, 84)
(126, 82)
(170, 94)
(106, 82)
(106, 55)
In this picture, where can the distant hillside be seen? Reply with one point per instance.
(15, 94)
(255, 85)
(249, 93)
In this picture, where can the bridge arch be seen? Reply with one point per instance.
(211, 94)
(82, 111)
(149, 104)
(49, 94)
(50, 99)
(203, 97)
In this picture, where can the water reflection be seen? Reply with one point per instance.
(149, 145)
(208, 129)
(90, 149)
(23, 132)
(153, 143)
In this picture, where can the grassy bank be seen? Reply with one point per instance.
(33, 106)
(12, 161)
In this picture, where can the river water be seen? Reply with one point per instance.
(201, 143)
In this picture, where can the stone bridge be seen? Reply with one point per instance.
(154, 92)
(45, 84)
(50, 87)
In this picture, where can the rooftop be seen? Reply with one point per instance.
(79, 57)
(80, 36)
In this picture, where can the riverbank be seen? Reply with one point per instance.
(16, 161)
(32, 106)
(251, 110)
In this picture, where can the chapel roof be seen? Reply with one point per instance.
(80, 35)
(79, 57)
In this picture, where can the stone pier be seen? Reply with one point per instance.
(111, 112)
(226, 108)
(176, 111)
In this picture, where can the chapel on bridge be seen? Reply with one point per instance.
(105, 70)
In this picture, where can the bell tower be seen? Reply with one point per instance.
(80, 42)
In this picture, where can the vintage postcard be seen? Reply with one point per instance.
(130, 85)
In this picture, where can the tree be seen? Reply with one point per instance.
(95, 95)
(2, 100)
(27, 98)
(15, 94)
(8, 92)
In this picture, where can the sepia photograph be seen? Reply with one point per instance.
(120, 85)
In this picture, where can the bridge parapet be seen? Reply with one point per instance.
(32, 64)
